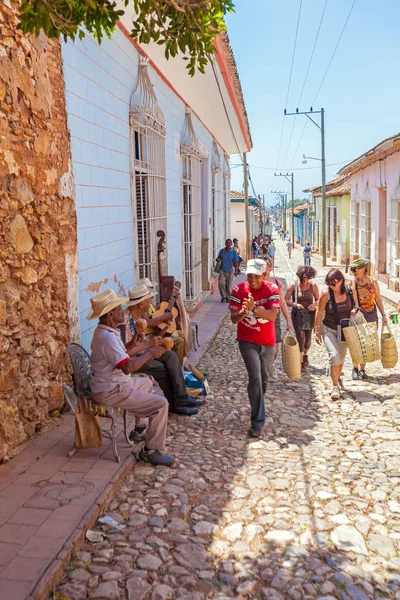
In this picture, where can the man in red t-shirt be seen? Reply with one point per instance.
(254, 306)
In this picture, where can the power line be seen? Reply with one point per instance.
(342, 162)
(334, 52)
(290, 80)
(304, 83)
(298, 145)
(226, 110)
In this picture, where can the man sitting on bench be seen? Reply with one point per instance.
(165, 369)
(111, 383)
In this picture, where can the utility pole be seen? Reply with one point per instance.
(283, 198)
(265, 214)
(322, 159)
(246, 205)
(290, 178)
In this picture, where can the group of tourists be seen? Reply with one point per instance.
(255, 307)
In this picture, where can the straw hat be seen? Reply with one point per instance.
(146, 281)
(104, 302)
(138, 294)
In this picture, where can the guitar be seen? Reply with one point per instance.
(168, 307)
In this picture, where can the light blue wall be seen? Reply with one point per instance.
(99, 81)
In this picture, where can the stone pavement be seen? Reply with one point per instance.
(310, 511)
(47, 501)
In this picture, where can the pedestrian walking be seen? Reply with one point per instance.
(283, 308)
(271, 253)
(254, 248)
(303, 297)
(367, 298)
(289, 247)
(238, 252)
(335, 306)
(229, 260)
(307, 254)
(254, 306)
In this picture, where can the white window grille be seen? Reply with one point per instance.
(366, 230)
(217, 227)
(355, 223)
(226, 176)
(332, 232)
(394, 234)
(148, 173)
(191, 210)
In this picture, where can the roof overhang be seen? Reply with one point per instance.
(378, 152)
(229, 127)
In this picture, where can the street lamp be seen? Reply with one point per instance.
(304, 161)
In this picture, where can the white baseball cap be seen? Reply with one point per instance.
(256, 266)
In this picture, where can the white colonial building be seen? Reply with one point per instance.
(375, 208)
(150, 152)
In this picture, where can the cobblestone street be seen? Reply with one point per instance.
(310, 511)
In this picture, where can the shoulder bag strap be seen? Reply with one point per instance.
(334, 306)
(350, 293)
(296, 292)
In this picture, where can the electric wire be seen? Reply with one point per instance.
(290, 81)
(305, 80)
(334, 52)
(342, 162)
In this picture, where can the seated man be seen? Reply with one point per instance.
(180, 344)
(111, 383)
(166, 369)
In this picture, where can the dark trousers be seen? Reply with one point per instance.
(304, 337)
(258, 360)
(166, 370)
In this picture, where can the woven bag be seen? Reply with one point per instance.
(291, 356)
(362, 340)
(389, 354)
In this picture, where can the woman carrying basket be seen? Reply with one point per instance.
(303, 297)
(367, 298)
(335, 306)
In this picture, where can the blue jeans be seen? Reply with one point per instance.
(258, 360)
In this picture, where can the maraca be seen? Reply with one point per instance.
(168, 343)
(141, 325)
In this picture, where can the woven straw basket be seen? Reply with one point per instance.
(362, 341)
(389, 354)
(291, 356)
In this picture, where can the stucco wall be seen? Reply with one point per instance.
(37, 235)
(383, 174)
(99, 81)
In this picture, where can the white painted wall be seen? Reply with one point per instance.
(381, 174)
(99, 81)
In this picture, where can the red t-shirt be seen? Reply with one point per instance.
(251, 328)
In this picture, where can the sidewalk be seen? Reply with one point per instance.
(48, 501)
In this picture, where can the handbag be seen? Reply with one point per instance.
(362, 340)
(291, 361)
(87, 426)
(389, 354)
(217, 267)
(302, 319)
(341, 323)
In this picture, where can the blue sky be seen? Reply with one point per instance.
(360, 94)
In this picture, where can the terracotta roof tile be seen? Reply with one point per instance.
(340, 186)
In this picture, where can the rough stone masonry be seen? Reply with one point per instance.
(37, 233)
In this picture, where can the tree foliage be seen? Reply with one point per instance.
(185, 26)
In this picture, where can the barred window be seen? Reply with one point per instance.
(191, 210)
(148, 173)
(366, 230)
(216, 205)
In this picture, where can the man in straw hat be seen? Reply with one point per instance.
(179, 338)
(111, 382)
(254, 306)
(166, 368)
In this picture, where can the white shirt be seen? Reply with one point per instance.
(107, 357)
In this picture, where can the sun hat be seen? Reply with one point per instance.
(104, 302)
(256, 266)
(359, 262)
(138, 294)
(147, 282)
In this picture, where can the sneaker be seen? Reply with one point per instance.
(156, 458)
(183, 410)
(363, 374)
(355, 374)
(188, 401)
(254, 433)
(222, 300)
(138, 434)
(335, 393)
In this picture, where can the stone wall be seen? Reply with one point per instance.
(37, 233)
